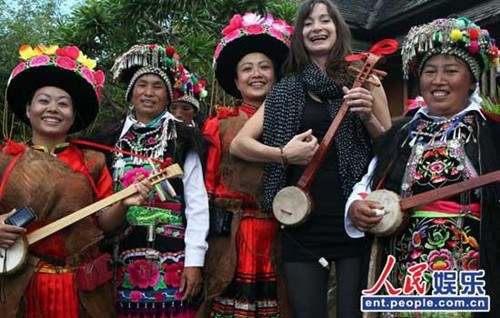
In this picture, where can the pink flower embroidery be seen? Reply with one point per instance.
(173, 274)
(254, 29)
(178, 295)
(437, 167)
(159, 297)
(471, 261)
(135, 296)
(143, 273)
(151, 141)
(438, 179)
(440, 260)
(415, 253)
(18, 69)
(88, 75)
(66, 63)
(129, 136)
(130, 176)
(39, 60)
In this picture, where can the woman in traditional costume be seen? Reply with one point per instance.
(240, 272)
(56, 91)
(449, 140)
(161, 249)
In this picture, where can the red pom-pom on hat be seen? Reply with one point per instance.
(473, 34)
(170, 51)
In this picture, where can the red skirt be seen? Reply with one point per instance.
(52, 293)
(253, 291)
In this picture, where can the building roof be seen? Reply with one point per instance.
(371, 20)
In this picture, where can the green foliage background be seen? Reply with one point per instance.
(103, 29)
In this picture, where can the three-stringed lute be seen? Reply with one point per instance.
(396, 218)
(13, 259)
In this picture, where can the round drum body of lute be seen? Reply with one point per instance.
(13, 258)
(394, 220)
(291, 206)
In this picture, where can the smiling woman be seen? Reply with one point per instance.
(56, 91)
(447, 142)
(248, 61)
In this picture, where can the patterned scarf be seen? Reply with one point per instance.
(283, 115)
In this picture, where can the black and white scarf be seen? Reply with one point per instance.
(282, 118)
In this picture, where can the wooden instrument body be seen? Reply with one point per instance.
(397, 219)
(13, 258)
(292, 206)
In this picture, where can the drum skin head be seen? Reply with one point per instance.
(291, 206)
(15, 257)
(392, 221)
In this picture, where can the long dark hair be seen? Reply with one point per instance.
(336, 67)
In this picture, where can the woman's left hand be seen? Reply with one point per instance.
(143, 187)
(360, 101)
(191, 281)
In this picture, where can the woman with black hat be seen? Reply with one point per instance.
(56, 91)
(240, 272)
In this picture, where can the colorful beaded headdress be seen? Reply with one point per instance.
(67, 68)
(456, 36)
(189, 87)
(144, 59)
(246, 34)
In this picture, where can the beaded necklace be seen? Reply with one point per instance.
(145, 140)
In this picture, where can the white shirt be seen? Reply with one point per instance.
(196, 202)
(363, 186)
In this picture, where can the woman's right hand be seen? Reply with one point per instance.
(301, 148)
(9, 233)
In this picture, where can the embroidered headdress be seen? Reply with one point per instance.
(246, 34)
(144, 59)
(67, 68)
(189, 87)
(455, 36)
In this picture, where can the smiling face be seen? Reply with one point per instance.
(319, 32)
(51, 115)
(445, 84)
(254, 77)
(149, 97)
